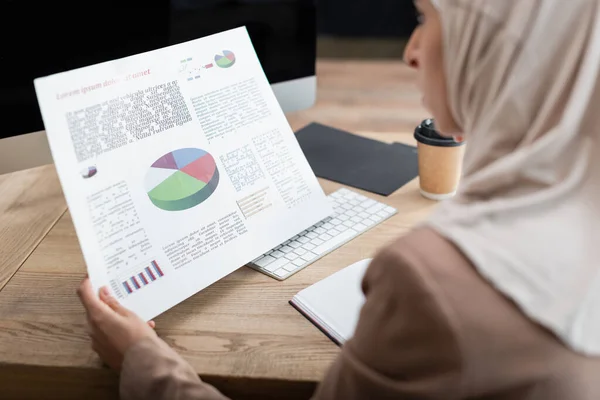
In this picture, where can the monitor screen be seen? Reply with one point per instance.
(43, 38)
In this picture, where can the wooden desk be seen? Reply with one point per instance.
(240, 333)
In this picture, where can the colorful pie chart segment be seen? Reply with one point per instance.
(225, 60)
(182, 179)
(89, 172)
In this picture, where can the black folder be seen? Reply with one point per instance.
(357, 161)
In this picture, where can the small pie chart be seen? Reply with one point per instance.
(89, 172)
(182, 179)
(225, 60)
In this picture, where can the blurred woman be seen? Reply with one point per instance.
(497, 295)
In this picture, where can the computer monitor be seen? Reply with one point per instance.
(47, 37)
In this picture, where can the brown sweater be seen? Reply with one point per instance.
(431, 328)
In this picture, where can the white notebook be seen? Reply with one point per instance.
(333, 305)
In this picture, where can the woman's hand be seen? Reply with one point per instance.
(112, 328)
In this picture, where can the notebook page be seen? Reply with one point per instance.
(336, 301)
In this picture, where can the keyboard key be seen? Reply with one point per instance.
(311, 228)
(317, 242)
(336, 221)
(347, 206)
(309, 256)
(303, 239)
(327, 219)
(354, 202)
(349, 195)
(390, 210)
(320, 231)
(364, 215)
(351, 213)
(311, 235)
(281, 272)
(286, 249)
(286, 242)
(300, 251)
(333, 232)
(368, 222)
(263, 262)
(327, 226)
(368, 203)
(274, 266)
(291, 267)
(360, 227)
(349, 224)
(277, 254)
(356, 219)
(375, 218)
(383, 214)
(302, 233)
(342, 228)
(325, 247)
(295, 244)
(298, 263)
(291, 256)
(343, 217)
(308, 246)
(377, 207)
(325, 237)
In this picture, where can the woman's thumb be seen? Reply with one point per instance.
(112, 302)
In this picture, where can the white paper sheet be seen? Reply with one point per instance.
(334, 303)
(178, 167)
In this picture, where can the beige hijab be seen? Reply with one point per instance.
(524, 83)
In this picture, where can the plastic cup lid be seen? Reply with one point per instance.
(427, 134)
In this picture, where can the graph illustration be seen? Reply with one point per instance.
(89, 172)
(182, 179)
(226, 60)
(144, 276)
(192, 69)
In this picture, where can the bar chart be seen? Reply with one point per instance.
(138, 278)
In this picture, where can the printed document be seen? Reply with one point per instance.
(178, 166)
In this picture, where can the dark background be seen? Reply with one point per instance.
(364, 29)
(366, 18)
(39, 38)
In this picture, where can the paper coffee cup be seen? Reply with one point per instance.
(440, 162)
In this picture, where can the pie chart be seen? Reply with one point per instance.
(225, 60)
(182, 179)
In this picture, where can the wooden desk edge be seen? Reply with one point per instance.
(77, 383)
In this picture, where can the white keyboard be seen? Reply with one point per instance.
(353, 215)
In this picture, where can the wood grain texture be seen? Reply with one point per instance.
(239, 333)
(56, 383)
(375, 96)
(31, 202)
